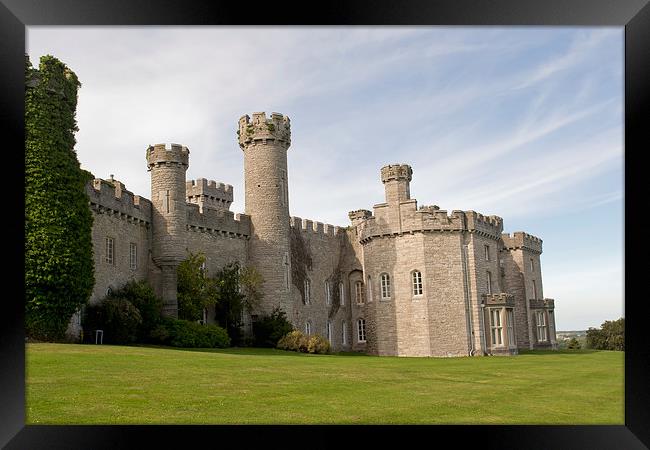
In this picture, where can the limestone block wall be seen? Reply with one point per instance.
(126, 218)
(318, 253)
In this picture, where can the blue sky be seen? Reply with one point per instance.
(522, 122)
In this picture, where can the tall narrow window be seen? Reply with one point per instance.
(361, 330)
(202, 269)
(342, 293)
(534, 289)
(488, 282)
(282, 190)
(286, 269)
(328, 294)
(511, 328)
(417, 282)
(532, 265)
(497, 328)
(487, 252)
(541, 327)
(308, 328)
(359, 292)
(307, 291)
(110, 246)
(329, 330)
(385, 286)
(167, 200)
(369, 290)
(133, 256)
(344, 332)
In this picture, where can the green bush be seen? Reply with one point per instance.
(183, 333)
(297, 342)
(118, 319)
(318, 344)
(268, 330)
(574, 344)
(142, 296)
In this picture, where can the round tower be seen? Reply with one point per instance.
(265, 143)
(396, 179)
(169, 211)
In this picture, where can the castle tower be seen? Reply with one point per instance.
(265, 143)
(396, 179)
(169, 211)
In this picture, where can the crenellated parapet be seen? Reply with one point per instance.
(218, 222)
(500, 299)
(209, 194)
(259, 128)
(358, 216)
(111, 197)
(542, 303)
(317, 228)
(488, 226)
(160, 154)
(397, 172)
(520, 240)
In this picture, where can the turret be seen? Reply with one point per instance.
(169, 212)
(265, 143)
(396, 179)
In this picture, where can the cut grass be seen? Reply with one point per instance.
(88, 384)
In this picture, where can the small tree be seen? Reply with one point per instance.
(268, 330)
(574, 344)
(251, 282)
(610, 336)
(141, 295)
(230, 301)
(196, 290)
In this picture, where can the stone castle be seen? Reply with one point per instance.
(400, 280)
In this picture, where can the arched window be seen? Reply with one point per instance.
(342, 293)
(328, 294)
(361, 330)
(308, 328)
(329, 330)
(369, 290)
(416, 279)
(385, 286)
(344, 333)
(359, 292)
(307, 292)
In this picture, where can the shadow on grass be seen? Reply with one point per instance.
(248, 351)
(559, 352)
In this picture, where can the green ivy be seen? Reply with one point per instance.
(59, 274)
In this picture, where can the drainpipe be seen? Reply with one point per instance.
(468, 301)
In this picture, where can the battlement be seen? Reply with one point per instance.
(521, 240)
(112, 197)
(396, 172)
(277, 128)
(217, 221)
(501, 299)
(209, 194)
(538, 303)
(309, 226)
(161, 154)
(489, 225)
(358, 216)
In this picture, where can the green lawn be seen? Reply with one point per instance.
(87, 384)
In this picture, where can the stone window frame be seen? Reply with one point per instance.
(488, 281)
(532, 265)
(307, 291)
(359, 292)
(384, 284)
(328, 330)
(133, 255)
(308, 327)
(328, 293)
(496, 327)
(109, 250)
(344, 332)
(417, 283)
(542, 326)
(534, 289)
(361, 330)
(369, 284)
(342, 293)
(510, 326)
(487, 251)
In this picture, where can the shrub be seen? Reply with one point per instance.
(268, 330)
(183, 333)
(117, 317)
(142, 296)
(610, 336)
(318, 344)
(291, 341)
(574, 344)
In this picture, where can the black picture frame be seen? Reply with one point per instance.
(634, 15)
